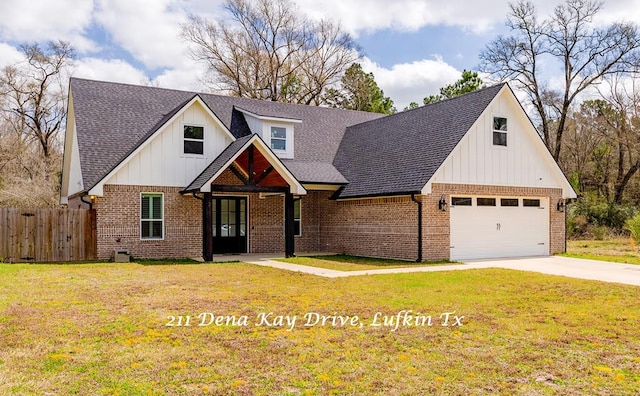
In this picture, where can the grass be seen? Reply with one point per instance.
(343, 262)
(101, 329)
(617, 250)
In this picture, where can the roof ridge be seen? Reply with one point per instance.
(221, 95)
(431, 105)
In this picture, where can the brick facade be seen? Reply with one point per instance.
(376, 227)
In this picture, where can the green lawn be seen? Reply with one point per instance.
(342, 262)
(101, 329)
(614, 250)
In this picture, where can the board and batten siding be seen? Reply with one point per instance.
(162, 161)
(525, 160)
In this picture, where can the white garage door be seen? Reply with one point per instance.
(492, 227)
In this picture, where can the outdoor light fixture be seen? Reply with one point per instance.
(560, 206)
(442, 204)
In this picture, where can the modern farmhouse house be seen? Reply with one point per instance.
(183, 174)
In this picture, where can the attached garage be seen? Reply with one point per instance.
(491, 227)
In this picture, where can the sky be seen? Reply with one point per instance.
(413, 47)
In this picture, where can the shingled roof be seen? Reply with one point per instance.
(398, 154)
(370, 154)
(112, 119)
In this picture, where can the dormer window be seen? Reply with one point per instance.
(193, 139)
(278, 138)
(499, 131)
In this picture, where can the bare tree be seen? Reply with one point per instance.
(36, 92)
(33, 100)
(270, 51)
(586, 55)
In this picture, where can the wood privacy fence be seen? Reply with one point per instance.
(47, 235)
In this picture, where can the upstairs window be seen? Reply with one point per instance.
(279, 138)
(499, 131)
(193, 139)
(151, 217)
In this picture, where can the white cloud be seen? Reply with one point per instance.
(367, 16)
(410, 82)
(43, 20)
(147, 29)
(186, 77)
(114, 70)
(9, 55)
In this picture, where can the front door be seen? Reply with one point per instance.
(229, 225)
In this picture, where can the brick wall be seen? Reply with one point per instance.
(118, 219)
(380, 227)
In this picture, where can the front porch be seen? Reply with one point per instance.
(245, 172)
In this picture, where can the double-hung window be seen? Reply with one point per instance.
(297, 224)
(279, 138)
(193, 139)
(499, 131)
(151, 216)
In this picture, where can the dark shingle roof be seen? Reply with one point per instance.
(399, 153)
(113, 119)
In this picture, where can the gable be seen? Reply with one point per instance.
(524, 161)
(161, 160)
(398, 154)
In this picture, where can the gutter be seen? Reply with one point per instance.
(413, 198)
(87, 202)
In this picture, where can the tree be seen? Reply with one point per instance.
(359, 91)
(270, 51)
(469, 82)
(35, 93)
(32, 113)
(586, 55)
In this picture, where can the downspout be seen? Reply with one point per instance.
(413, 198)
(87, 202)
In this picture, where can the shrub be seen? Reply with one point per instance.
(633, 225)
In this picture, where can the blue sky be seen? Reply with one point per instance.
(413, 47)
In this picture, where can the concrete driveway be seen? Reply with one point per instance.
(553, 265)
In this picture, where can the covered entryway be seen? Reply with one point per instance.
(254, 168)
(229, 224)
(492, 227)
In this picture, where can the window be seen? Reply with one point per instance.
(460, 201)
(297, 225)
(486, 201)
(279, 138)
(193, 139)
(508, 201)
(499, 131)
(151, 217)
(531, 203)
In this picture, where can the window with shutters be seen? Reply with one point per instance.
(151, 216)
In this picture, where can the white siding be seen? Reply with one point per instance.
(255, 125)
(162, 161)
(75, 171)
(525, 160)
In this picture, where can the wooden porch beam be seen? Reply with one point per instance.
(264, 174)
(248, 188)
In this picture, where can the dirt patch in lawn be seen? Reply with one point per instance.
(354, 263)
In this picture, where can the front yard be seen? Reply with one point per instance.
(102, 329)
(620, 250)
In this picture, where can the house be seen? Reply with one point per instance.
(182, 174)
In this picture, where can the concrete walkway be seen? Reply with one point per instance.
(563, 266)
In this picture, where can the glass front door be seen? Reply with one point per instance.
(229, 225)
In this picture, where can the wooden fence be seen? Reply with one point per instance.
(47, 235)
